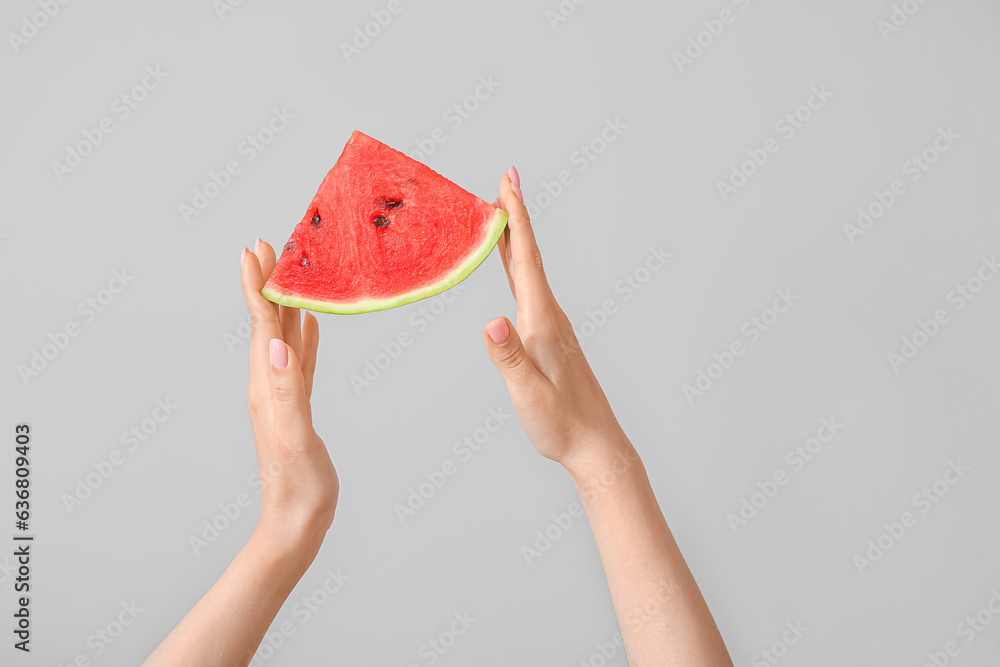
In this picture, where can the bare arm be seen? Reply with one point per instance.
(299, 489)
(228, 623)
(662, 614)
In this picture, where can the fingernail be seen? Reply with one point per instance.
(243, 256)
(515, 178)
(515, 182)
(517, 191)
(279, 354)
(256, 245)
(497, 330)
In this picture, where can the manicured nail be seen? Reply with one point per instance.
(497, 330)
(515, 182)
(256, 245)
(279, 354)
(517, 191)
(243, 256)
(515, 178)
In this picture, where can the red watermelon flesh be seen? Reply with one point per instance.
(382, 231)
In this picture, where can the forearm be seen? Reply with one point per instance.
(662, 615)
(228, 623)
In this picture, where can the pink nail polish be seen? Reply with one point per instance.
(279, 354)
(498, 331)
(243, 256)
(256, 245)
(515, 182)
(515, 178)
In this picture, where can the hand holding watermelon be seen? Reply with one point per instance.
(299, 484)
(568, 418)
(554, 391)
(299, 488)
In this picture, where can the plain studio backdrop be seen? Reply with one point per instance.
(773, 224)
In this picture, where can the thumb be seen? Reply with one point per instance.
(507, 352)
(288, 388)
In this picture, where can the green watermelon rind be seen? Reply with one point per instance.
(463, 271)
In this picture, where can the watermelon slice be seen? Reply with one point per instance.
(382, 231)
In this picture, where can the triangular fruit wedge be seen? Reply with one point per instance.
(382, 231)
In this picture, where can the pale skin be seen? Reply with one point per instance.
(663, 617)
(299, 488)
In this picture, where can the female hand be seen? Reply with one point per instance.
(554, 391)
(299, 485)
(299, 488)
(565, 413)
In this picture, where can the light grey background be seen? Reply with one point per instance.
(173, 333)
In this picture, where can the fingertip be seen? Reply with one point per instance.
(515, 182)
(310, 327)
(279, 353)
(513, 204)
(508, 186)
(252, 269)
(266, 257)
(498, 330)
(514, 177)
(309, 320)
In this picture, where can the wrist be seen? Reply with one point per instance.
(290, 543)
(600, 458)
(296, 517)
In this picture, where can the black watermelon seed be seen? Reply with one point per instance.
(380, 221)
(316, 220)
(305, 262)
(393, 204)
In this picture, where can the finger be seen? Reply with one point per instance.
(507, 353)
(498, 203)
(526, 260)
(503, 247)
(265, 253)
(291, 328)
(310, 343)
(506, 244)
(515, 182)
(263, 317)
(288, 388)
